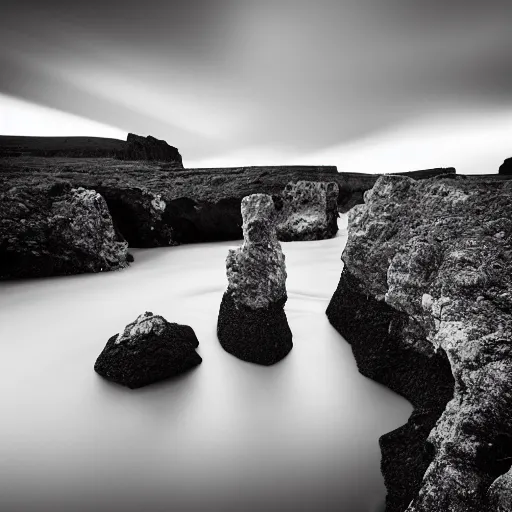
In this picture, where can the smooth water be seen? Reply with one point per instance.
(301, 435)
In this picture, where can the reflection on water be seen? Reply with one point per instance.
(301, 435)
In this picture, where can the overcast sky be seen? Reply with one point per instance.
(244, 82)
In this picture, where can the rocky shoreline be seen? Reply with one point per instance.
(424, 299)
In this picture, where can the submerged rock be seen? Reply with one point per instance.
(149, 349)
(309, 211)
(428, 279)
(252, 324)
(57, 231)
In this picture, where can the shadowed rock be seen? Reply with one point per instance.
(252, 324)
(57, 231)
(149, 148)
(506, 167)
(149, 349)
(308, 211)
(427, 275)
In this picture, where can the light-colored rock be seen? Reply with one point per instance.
(440, 251)
(256, 271)
(309, 211)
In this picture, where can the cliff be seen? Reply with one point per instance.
(425, 299)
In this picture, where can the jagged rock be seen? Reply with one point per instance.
(252, 324)
(506, 167)
(149, 148)
(57, 231)
(149, 349)
(438, 254)
(308, 211)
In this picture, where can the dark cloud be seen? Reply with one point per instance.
(212, 76)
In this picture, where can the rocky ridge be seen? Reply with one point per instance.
(427, 279)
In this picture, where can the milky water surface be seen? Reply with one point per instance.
(301, 435)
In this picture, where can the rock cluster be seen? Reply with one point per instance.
(252, 324)
(308, 211)
(149, 148)
(428, 280)
(149, 349)
(57, 231)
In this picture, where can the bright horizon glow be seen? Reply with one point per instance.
(473, 142)
(23, 118)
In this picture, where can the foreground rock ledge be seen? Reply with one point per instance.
(252, 324)
(150, 349)
(427, 284)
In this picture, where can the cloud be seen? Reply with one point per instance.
(215, 77)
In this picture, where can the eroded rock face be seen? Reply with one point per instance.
(309, 211)
(57, 231)
(149, 349)
(439, 252)
(252, 323)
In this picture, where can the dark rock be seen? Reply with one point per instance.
(308, 210)
(149, 350)
(259, 335)
(57, 231)
(140, 216)
(149, 148)
(506, 167)
(438, 254)
(252, 323)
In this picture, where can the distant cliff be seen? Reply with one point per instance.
(134, 148)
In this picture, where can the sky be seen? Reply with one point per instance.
(367, 85)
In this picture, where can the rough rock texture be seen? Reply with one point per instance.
(437, 254)
(149, 148)
(149, 349)
(252, 323)
(202, 205)
(57, 231)
(308, 210)
(140, 216)
(506, 167)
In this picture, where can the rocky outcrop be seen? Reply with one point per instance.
(426, 288)
(149, 148)
(506, 167)
(252, 324)
(57, 231)
(308, 210)
(149, 349)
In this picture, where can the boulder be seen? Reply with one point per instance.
(57, 230)
(425, 299)
(308, 211)
(149, 349)
(506, 167)
(149, 148)
(252, 324)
